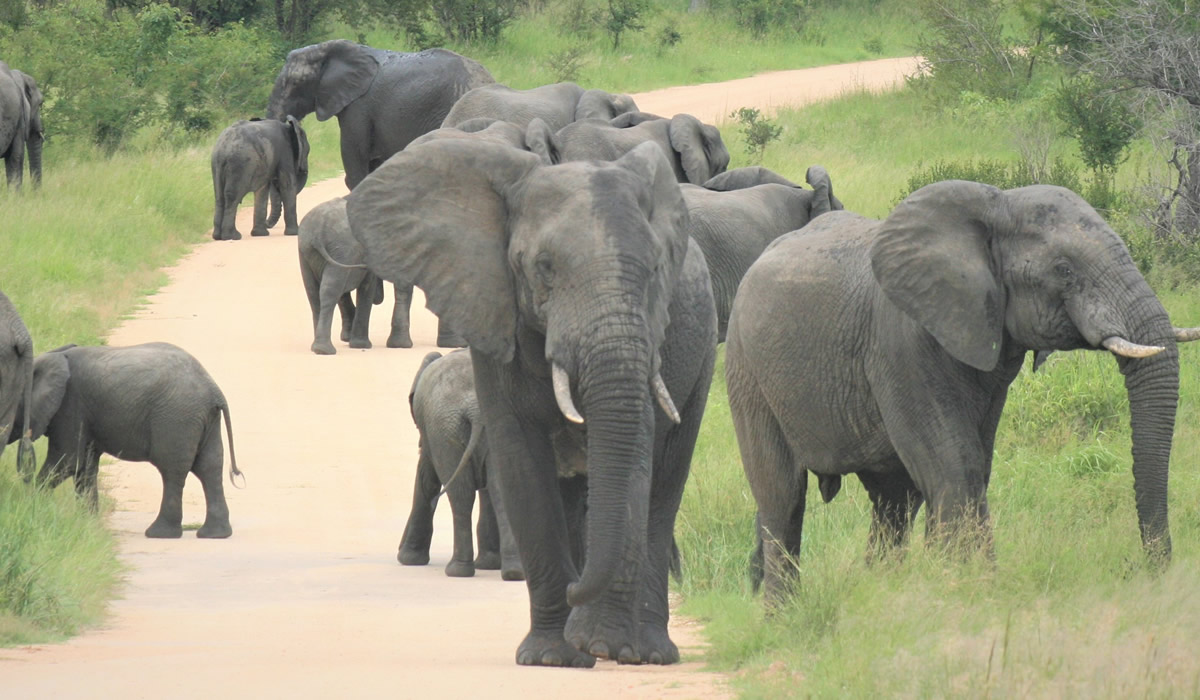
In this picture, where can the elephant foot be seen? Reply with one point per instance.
(165, 531)
(488, 561)
(603, 634)
(345, 335)
(291, 231)
(412, 557)
(656, 647)
(215, 531)
(234, 236)
(542, 649)
(512, 573)
(399, 340)
(323, 348)
(460, 569)
(360, 343)
(451, 342)
(259, 232)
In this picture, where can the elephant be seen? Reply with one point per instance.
(733, 225)
(324, 235)
(478, 129)
(587, 309)
(557, 105)
(21, 128)
(16, 384)
(695, 150)
(382, 99)
(143, 403)
(263, 156)
(453, 460)
(886, 348)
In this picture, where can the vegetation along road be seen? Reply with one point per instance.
(306, 599)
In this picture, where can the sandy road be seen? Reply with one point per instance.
(306, 599)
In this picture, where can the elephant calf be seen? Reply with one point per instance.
(325, 237)
(454, 455)
(263, 156)
(145, 403)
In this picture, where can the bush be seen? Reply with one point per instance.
(757, 130)
(998, 173)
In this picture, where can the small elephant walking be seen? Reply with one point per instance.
(263, 156)
(325, 237)
(144, 403)
(21, 130)
(454, 456)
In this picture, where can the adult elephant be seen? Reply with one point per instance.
(382, 99)
(736, 215)
(695, 150)
(886, 348)
(16, 382)
(557, 105)
(21, 130)
(582, 299)
(264, 156)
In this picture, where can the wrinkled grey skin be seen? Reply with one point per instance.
(16, 384)
(21, 131)
(886, 348)
(484, 129)
(325, 234)
(695, 150)
(584, 272)
(557, 105)
(259, 156)
(454, 456)
(734, 225)
(382, 99)
(144, 403)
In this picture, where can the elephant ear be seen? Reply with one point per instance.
(823, 199)
(540, 141)
(436, 215)
(750, 176)
(348, 71)
(50, 374)
(33, 96)
(299, 142)
(933, 259)
(600, 104)
(701, 151)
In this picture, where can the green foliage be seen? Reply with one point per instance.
(469, 21)
(760, 17)
(757, 130)
(967, 47)
(996, 172)
(624, 16)
(565, 65)
(1099, 119)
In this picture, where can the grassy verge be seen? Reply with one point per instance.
(1067, 610)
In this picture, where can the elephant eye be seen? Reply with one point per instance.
(544, 269)
(1064, 271)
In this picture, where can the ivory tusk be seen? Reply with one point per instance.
(1186, 335)
(1119, 346)
(562, 394)
(664, 398)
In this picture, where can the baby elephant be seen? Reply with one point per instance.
(146, 403)
(454, 454)
(260, 156)
(325, 236)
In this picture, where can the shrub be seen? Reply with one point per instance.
(757, 130)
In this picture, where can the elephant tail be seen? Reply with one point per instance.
(276, 205)
(233, 468)
(26, 455)
(472, 445)
(320, 244)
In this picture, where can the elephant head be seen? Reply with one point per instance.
(480, 128)
(34, 132)
(822, 199)
(979, 268)
(574, 263)
(598, 104)
(324, 77)
(16, 385)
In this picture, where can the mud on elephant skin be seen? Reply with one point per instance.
(144, 403)
(586, 307)
(453, 460)
(263, 156)
(21, 131)
(382, 99)
(557, 105)
(923, 320)
(332, 266)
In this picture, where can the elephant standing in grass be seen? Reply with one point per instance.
(382, 99)
(263, 156)
(16, 384)
(21, 131)
(145, 403)
(325, 235)
(736, 215)
(886, 348)
(586, 307)
(557, 105)
(695, 150)
(454, 458)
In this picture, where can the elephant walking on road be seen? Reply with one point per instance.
(145, 403)
(885, 349)
(21, 131)
(263, 156)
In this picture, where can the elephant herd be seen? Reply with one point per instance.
(591, 257)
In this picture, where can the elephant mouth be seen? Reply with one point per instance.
(566, 405)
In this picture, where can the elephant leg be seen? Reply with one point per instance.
(895, 500)
(87, 474)
(510, 558)
(400, 337)
(58, 465)
(329, 295)
(262, 197)
(418, 531)
(169, 523)
(447, 338)
(346, 309)
(228, 215)
(14, 164)
(355, 159)
(574, 497)
(462, 502)
(487, 534)
(290, 227)
(208, 468)
(360, 329)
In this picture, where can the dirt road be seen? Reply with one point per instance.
(306, 599)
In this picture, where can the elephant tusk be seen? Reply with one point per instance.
(1186, 335)
(1119, 346)
(664, 398)
(562, 394)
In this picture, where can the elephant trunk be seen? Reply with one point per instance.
(26, 457)
(33, 148)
